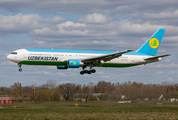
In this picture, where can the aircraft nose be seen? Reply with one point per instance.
(8, 57)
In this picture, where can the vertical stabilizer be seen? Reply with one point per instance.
(152, 44)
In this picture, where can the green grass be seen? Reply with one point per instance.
(89, 111)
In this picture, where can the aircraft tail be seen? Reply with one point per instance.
(152, 44)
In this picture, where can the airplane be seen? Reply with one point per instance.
(65, 59)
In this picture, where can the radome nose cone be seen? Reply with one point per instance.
(8, 57)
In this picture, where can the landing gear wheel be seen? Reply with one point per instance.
(85, 71)
(89, 72)
(20, 69)
(81, 72)
(93, 70)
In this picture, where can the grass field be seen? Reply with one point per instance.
(89, 111)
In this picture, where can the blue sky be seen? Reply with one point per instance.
(103, 25)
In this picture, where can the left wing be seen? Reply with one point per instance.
(105, 58)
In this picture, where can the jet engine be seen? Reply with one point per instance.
(73, 63)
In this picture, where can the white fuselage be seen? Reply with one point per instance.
(32, 56)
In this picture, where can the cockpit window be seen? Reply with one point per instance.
(14, 53)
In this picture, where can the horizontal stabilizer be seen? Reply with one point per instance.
(155, 57)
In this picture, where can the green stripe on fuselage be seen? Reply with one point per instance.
(65, 63)
(117, 65)
(42, 63)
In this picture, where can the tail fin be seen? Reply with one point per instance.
(152, 44)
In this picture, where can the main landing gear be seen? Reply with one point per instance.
(87, 71)
(20, 69)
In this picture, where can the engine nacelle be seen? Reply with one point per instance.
(62, 67)
(73, 63)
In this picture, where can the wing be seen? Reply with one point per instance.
(104, 58)
(156, 57)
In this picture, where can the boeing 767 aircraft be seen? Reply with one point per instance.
(65, 59)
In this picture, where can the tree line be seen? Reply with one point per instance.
(51, 91)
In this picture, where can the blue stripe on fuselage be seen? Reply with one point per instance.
(70, 51)
(81, 51)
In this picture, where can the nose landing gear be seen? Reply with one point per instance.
(20, 69)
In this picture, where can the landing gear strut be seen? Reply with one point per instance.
(87, 71)
(20, 69)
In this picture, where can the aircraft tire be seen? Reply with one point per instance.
(85, 71)
(20, 70)
(89, 72)
(82, 72)
(93, 71)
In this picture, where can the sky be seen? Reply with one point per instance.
(104, 25)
